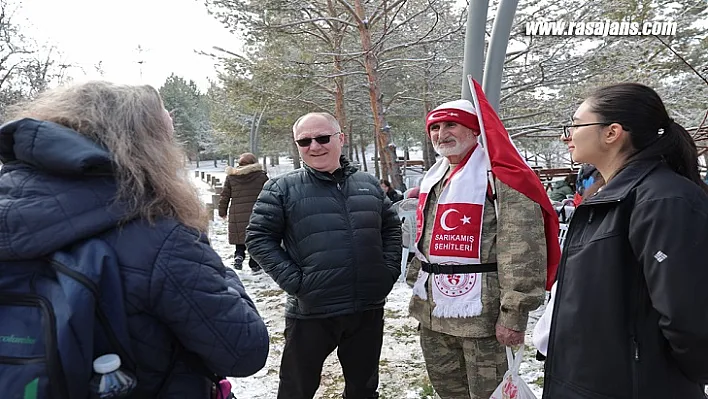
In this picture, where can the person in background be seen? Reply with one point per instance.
(563, 189)
(588, 176)
(391, 192)
(340, 257)
(408, 226)
(99, 161)
(241, 188)
(629, 318)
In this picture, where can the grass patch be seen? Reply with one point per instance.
(538, 381)
(391, 314)
(405, 331)
(426, 388)
(268, 293)
(277, 338)
(332, 385)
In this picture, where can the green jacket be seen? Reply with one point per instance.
(561, 191)
(517, 243)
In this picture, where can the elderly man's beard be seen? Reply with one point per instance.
(462, 145)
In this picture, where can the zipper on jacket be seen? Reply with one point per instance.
(635, 332)
(21, 361)
(635, 368)
(51, 350)
(100, 315)
(349, 230)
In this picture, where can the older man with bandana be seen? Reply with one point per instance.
(478, 270)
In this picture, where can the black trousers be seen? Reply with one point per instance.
(241, 251)
(357, 337)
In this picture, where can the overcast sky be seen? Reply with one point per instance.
(109, 31)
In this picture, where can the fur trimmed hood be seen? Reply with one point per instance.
(244, 170)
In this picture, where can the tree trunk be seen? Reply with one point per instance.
(254, 139)
(338, 32)
(377, 163)
(389, 167)
(296, 155)
(428, 150)
(363, 152)
(339, 110)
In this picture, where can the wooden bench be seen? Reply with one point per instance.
(550, 174)
(412, 162)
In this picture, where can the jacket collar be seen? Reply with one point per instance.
(244, 170)
(620, 186)
(346, 169)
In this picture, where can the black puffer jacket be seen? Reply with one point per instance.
(631, 313)
(342, 240)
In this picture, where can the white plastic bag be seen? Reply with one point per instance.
(512, 386)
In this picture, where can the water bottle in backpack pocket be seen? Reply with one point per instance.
(110, 381)
(58, 314)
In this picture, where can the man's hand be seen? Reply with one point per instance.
(509, 337)
(223, 218)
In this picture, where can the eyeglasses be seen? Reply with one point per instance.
(319, 139)
(567, 132)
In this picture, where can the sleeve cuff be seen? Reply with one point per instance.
(513, 320)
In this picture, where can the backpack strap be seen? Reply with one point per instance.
(194, 361)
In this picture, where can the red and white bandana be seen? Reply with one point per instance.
(456, 235)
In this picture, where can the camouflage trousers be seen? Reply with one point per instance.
(463, 368)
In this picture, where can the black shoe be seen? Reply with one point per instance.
(238, 262)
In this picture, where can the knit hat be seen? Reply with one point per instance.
(458, 111)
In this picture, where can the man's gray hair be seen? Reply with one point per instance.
(332, 120)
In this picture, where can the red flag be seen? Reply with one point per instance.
(509, 167)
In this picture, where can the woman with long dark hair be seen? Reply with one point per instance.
(631, 308)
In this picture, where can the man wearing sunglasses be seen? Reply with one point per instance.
(340, 257)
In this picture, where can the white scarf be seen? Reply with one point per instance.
(456, 235)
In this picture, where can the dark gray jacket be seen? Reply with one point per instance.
(342, 240)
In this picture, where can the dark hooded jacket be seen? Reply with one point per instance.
(57, 188)
(241, 188)
(631, 310)
(342, 240)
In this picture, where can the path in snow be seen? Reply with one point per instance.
(402, 369)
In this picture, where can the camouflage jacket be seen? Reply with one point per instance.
(517, 243)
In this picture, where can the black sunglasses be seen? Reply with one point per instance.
(566, 128)
(319, 139)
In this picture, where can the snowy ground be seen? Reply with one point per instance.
(402, 370)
